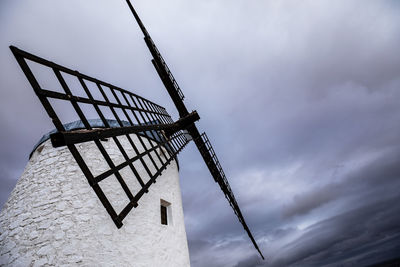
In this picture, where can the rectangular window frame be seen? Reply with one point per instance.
(165, 212)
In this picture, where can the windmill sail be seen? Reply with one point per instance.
(201, 140)
(159, 138)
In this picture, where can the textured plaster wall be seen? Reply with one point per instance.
(54, 218)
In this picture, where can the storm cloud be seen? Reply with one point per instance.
(301, 101)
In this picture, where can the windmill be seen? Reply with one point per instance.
(201, 140)
(133, 115)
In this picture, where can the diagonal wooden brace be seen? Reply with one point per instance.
(183, 123)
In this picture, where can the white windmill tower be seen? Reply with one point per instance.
(73, 203)
(54, 217)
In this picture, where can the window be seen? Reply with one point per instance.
(165, 212)
(164, 218)
(40, 149)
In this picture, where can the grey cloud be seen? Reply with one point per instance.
(286, 93)
(347, 234)
(253, 261)
(382, 174)
(235, 248)
(360, 237)
(302, 204)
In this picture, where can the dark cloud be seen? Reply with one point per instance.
(300, 101)
(366, 233)
(367, 183)
(252, 261)
(341, 239)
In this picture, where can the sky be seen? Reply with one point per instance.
(300, 99)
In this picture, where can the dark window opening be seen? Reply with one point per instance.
(164, 219)
(40, 149)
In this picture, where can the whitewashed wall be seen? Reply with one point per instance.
(54, 218)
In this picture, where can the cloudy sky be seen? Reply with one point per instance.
(301, 100)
